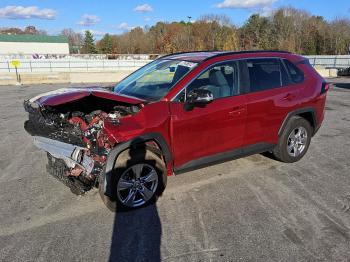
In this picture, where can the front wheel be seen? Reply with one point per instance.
(294, 141)
(137, 185)
(139, 178)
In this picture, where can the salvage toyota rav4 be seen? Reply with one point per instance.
(178, 113)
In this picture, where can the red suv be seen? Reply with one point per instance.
(180, 112)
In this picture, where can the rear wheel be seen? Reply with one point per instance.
(139, 178)
(294, 141)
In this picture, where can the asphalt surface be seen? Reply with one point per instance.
(251, 209)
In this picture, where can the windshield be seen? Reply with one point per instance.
(154, 80)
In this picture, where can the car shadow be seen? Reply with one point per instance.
(136, 236)
(136, 233)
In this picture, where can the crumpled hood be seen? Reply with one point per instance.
(65, 95)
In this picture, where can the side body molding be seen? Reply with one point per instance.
(157, 137)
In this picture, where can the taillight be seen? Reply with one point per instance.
(325, 87)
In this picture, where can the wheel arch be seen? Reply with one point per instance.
(116, 151)
(308, 113)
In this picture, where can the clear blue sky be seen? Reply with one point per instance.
(114, 16)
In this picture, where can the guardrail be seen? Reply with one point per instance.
(79, 56)
(330, 62)
(86, 65)
(42, 66)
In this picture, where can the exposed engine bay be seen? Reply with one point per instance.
(74, 138)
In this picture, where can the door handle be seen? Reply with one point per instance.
(237, 110)
(289, 97)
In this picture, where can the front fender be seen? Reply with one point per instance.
(114, 153)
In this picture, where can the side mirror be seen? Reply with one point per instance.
(199, 97)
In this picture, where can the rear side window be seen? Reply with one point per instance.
(296, 75)
(265, 73)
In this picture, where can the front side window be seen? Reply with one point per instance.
(265, 73)
(154, 80)
(221, 80)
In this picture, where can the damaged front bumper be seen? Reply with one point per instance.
(73, 156)
(70, 164)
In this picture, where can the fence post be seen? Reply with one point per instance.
(8, 66)
(50, 67)
(69, 65)
(87, 65)
(30, 65)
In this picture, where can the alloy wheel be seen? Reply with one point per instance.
(137, 185)
(296, 142)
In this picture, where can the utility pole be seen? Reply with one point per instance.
(189, 32)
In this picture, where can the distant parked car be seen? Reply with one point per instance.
(344, 72)
(180, 112)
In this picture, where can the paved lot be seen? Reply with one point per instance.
(252, 209)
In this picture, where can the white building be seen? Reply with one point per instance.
(33, 44)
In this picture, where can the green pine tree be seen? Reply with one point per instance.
(89, 43)
(106, 44)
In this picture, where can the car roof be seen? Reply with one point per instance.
(201, 56)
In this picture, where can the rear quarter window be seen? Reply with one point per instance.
(296, 75)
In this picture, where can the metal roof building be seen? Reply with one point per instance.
(33, 44)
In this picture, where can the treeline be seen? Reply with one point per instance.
(285, 29)
(29, 30)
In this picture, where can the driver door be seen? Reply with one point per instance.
(214, 128)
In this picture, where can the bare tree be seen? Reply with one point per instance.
(75, 40)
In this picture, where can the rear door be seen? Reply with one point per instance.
(271, 95)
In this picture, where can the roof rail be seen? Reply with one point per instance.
(189, 52)
(246, 52)
(222, 53)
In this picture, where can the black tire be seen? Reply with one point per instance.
(125, 160)
(280, 152)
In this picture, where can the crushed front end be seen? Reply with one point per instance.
(69, 126)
